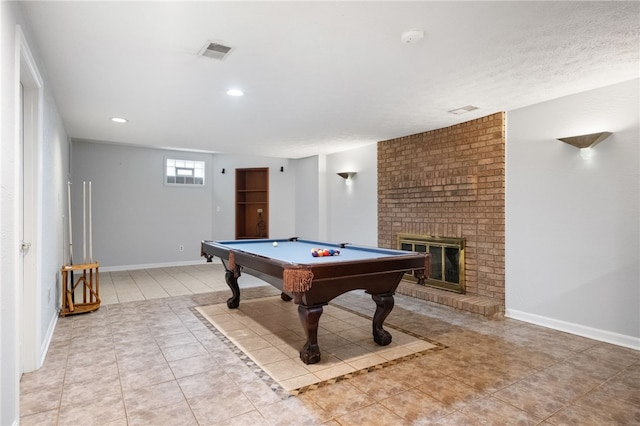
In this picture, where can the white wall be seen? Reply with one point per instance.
(572, 225)
(352, 211)
(9, 374)
(46, 217)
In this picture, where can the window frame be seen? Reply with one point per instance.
(184, 158)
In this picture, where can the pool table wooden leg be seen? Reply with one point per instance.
(309, 316)
(232, 281)
(284, 296)
(384, 306)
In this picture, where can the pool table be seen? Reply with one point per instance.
(288, 264)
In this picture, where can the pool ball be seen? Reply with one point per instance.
(275, 244)
(325, 252)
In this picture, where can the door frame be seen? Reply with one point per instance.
(29, 189)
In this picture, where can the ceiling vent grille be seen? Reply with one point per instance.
(215, 50)
(463, 110)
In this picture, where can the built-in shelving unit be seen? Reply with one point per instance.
(252, 203)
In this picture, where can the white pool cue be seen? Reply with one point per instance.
(70, 289)
(84, 222)
(90, 228)
(70, 226)
(64, 244)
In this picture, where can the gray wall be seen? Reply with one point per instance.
(281, 194)
(138, 221)
(573, 224)
(352, 211)
(308, 192)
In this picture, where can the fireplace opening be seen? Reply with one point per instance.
(447, 260)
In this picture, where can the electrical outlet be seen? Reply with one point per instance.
(181, 248)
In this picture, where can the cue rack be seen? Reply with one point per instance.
(88, 279)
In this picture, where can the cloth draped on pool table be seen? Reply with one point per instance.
(294, 280)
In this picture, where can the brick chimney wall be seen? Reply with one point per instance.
(449, 183)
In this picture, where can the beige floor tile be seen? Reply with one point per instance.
(372, 415)
(490, 407)
(413, 405)
(110, 364)
(81, 392)
(147, 399)
(97, 411)
(205, 383)
(44, 399)
(187, 350)
(378, 385)
(46, 418)
(148, 376)
(226, 403)
(340, 398)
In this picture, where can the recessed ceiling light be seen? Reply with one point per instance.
(119, 120)
(235, 92)
(463, 110)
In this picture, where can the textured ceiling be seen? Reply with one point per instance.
(318, 77)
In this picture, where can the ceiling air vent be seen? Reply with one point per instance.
(215, 50)
(463, 110)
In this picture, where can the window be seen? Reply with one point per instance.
(184, 172)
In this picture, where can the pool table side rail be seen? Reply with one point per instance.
(274, 267)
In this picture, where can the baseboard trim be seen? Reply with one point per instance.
(48, 339)
(151, 265)
(577, 329)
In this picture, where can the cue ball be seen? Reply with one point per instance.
(275, 244)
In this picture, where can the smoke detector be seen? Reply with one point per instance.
(215, 50)
(412, 36)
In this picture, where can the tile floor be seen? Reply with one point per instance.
(145, 358)
(146, 284)
(347, 347)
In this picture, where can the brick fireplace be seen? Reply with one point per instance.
(450, 183)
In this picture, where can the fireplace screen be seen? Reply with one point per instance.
(447, 259)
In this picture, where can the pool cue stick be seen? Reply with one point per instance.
(90, 228)
(64, 244)
(84, 222)
(70, 242)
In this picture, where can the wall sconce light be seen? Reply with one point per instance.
(586, 142)
(347, 176)
(222, 171)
